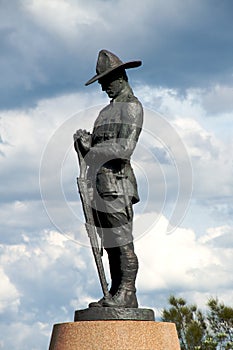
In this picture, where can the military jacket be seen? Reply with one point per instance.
(113, 140)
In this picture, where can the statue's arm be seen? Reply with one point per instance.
(132, 119)
(123, 146)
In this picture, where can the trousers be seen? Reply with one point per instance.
(113, 216)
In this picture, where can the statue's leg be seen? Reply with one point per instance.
(124, 260)
(104, 225)
(115, 268)
(126, 294)
(115, 272)
(118, 242)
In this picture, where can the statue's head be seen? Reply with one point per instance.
(109, 67)
(114, 82)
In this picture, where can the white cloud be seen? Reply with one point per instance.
(210, 154)
(26, 133)
(24, 336)
(49, 46)
(29, 129)
(215, 232)
(36, 272)
(170, 103)
(211, 160)
(63, 18)
(9, 295)
(181, 261)
(218, 99)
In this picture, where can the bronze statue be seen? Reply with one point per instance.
(112, 184)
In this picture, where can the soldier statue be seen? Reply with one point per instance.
(107, 152)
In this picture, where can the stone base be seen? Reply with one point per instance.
(114, 335)
(113, 313)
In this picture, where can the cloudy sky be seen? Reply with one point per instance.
(183, 224)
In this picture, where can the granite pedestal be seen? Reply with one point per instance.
(126, 334)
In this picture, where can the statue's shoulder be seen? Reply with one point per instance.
(132, 98)
(104, 112)
(132, 111)
(105, 109)
(134, 102)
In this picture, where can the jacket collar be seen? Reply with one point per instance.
(124, 95)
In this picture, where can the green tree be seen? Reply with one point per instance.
(212, 330)
(220, 318)
(190, 323)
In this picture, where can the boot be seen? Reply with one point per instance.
(126, 294)
(100, 302)
(123, 298)
(115, 272)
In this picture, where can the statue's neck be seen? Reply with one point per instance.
(124, 94)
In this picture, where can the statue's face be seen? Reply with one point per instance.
(112, 86)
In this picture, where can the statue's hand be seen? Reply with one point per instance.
(82, 140)
(85, 140)
(79, 133)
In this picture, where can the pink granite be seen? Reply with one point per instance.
(114, 335)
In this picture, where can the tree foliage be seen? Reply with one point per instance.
(198, 330)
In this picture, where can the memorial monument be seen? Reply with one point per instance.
(108, 191)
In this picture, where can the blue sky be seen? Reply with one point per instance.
(48, 51)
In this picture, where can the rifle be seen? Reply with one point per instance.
(82, 183)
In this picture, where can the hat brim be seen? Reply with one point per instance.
(127, 65)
